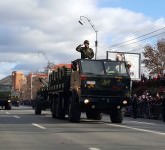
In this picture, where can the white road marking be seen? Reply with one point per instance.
(137, 129)
(93, 148)
(17, 117)
(39, 126)
(142, 122)
(7, 112)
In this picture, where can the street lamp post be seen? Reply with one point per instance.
(93, 27)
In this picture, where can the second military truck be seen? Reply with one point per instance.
(5, 96)
(90, 86)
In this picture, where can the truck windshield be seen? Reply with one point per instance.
(92, 67)
(104, 67)
(5, 91)
(5, 87)
(115, 67)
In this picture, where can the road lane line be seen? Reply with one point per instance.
(137, 129)
(140, 122)
(16, 116)
(93, 148)
(39, 126)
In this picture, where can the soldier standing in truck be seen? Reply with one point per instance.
(86, 51)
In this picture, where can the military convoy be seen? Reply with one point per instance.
(86, 85)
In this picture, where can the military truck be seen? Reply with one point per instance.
(5, 95)
(41, 102)
(90, 86)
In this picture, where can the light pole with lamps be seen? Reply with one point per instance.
(93, 27)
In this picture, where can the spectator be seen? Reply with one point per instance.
(134, 106)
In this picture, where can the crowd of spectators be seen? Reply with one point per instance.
(146, 106)
(148, 102)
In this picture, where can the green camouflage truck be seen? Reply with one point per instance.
(90, 86)
(5, 96)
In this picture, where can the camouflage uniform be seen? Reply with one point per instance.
(86, 52)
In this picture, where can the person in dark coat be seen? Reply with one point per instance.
(162, 97)
(134, 106)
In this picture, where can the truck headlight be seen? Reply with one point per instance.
(125, 102)
(86, 101)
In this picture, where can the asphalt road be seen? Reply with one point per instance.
(20, 129)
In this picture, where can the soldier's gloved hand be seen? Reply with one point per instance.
(91, 55)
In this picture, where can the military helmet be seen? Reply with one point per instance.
(86, 41)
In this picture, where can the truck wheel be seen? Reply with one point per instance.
(59, 112)
(116, 115)
(8, 107)
(38, 108)
(74, 109)
(53, 109)
(93, 114)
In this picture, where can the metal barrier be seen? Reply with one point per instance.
(146, 110)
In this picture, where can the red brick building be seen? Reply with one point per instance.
(26, 87)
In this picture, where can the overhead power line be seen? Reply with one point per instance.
(140, 40)
(138, 48)
(126, 42)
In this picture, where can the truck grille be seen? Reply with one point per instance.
(103, 93)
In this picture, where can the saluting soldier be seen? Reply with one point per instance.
(86, 51)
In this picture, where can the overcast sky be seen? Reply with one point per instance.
(33, 32)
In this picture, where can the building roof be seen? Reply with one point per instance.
(6, 81)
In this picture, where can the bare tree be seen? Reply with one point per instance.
(155, 58)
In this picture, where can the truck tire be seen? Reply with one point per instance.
(8, 107)
(53, 109)
(38, 108)
(116, 115)
(59, 112)
(93, 114)
(74, 109)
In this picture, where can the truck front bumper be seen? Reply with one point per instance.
(4, 102)
(103, 103)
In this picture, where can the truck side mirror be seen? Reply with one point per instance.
(74, 66)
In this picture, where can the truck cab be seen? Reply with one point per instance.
(100, 86)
